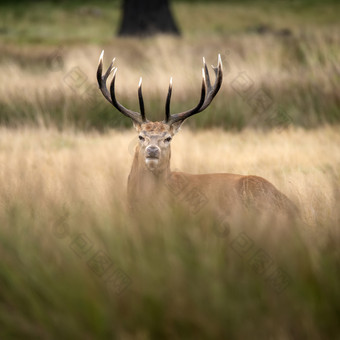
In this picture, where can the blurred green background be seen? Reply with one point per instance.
(289, 50)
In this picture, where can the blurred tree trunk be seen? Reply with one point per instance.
(147, 17)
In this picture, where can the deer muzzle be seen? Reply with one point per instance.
(152, 152)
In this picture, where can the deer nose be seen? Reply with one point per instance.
(152, 151)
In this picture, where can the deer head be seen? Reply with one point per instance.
(155, 137)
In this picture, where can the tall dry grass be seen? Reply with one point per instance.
(70, 165)
(76, 265)
(63, 204)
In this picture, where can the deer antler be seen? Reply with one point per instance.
(111, 97)
(206, 96)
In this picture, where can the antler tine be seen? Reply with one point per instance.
(167, 104)
(212, 90)
(102, 79)
(207, 94)
(110, 96)
(207, 77)
(141, 101)
(183, 115)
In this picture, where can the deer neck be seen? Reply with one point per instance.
(144, 183)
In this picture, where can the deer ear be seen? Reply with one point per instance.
(175, 127)
(137, 126)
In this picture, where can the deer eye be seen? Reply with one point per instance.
(167, 139)
(142, 139)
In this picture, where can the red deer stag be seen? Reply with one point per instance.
(150, 172)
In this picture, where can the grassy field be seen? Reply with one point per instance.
(281, 64)
(76, 265)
